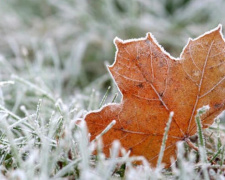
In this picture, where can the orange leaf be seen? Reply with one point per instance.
(153, 84)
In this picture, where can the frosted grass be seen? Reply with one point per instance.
(52, 56)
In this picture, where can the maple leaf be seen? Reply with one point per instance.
(154, 84)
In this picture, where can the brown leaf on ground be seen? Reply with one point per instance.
(153, 84)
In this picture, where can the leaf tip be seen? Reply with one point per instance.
(219, 27)
(118, 42)
(149, 36)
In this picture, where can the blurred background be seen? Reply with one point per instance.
(64, 46)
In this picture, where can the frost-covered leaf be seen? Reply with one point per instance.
(153, 84)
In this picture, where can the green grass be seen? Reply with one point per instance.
(53, 57)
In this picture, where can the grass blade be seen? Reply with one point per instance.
(165, 136)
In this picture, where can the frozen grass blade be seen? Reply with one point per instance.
(91, 99)
(219, 143)
(104, 97)
(114, 98)
(19, 120)
(15, 151)
(66, 169)
(216, 154)
(10, 113)
(165, 136)
(222, 156)
(201, 139)
(3, 83)
(33, 86)
(203, 158)
(38, 112)
(105, 130)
